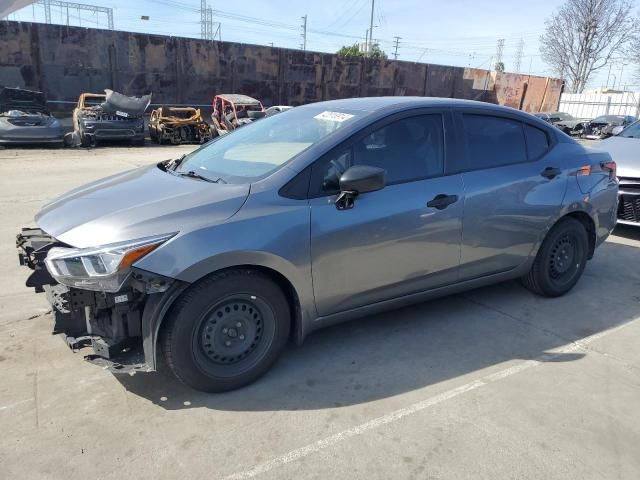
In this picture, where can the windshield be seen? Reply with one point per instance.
(255, 150)
(632, 131)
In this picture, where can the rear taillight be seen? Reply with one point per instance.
(610, 167)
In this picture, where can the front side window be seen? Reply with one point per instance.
(493, 141)
(408, 149)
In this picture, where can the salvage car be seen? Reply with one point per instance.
(109, 116)
(274, 110)
(24, 119)
(604, 126)
(231, 111)
(624, 148)
(327, 212)
(178, 125)
(574, 128)
(562, 120)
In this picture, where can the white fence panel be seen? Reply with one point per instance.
(581, 105)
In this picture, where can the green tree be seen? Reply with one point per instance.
(499, 67)
(353, 51)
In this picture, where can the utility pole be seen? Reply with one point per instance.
(620, 77)
(518, 56)
(609, 74)
(397, 43)
(368, 51)
(304, 32)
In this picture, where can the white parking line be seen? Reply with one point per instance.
(396, 415)
(15, 404)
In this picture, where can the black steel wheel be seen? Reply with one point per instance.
(561, 259)
(233, 335)
(226, 330)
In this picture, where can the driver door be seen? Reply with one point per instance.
(391, 243)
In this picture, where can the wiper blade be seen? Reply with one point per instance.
(175, 163)
(192, 174)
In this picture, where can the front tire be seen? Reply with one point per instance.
(560, 261)
(226, 330)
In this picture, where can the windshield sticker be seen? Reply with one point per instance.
(334, 116)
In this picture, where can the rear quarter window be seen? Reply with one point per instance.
(493, 141)
(537, 142)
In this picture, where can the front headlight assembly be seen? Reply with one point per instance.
(103, 268)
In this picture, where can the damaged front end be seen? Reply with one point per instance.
(108, 116)
(179, 125)
(118, 315)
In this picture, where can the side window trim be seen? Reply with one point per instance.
(368, 130)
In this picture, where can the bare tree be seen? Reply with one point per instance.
(583, 36)
(635, 54)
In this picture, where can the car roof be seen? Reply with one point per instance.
(238, 98)
(374, 104)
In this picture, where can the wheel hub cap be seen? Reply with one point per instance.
(562, 257)
(232, 331)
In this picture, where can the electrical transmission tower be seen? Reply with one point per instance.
(47, 4)
(303, 46)
(517, 60)
(499, 50)
(207, 23)
(203, 20)
(395, 47)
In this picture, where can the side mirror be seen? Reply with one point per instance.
(356, 180)
(617, 130)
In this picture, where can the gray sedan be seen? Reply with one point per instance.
(625, 150)
(310, 217)
(24, 119)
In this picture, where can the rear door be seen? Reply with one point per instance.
(391, 243)
(514, 186)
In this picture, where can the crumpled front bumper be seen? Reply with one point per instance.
(120, 327)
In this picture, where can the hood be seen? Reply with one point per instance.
(22, 100)
(569, 123)
(625, 152)
(132, 106)
(138, 203)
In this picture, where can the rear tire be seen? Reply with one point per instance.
(226, 330)
(560, 261)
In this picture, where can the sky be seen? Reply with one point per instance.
(454, 32)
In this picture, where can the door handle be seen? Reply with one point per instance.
(550, 172)
(442, 201)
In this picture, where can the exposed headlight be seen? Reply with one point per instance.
(103, 268)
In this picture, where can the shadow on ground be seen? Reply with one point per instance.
(389, 354)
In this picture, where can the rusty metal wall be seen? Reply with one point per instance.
(66, 61)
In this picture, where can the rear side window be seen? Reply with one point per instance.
(493, 141)
(537, 142)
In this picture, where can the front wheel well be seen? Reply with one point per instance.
(285, 285)
(589, 226)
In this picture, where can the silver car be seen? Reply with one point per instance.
(625, 150)
(316, 215)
